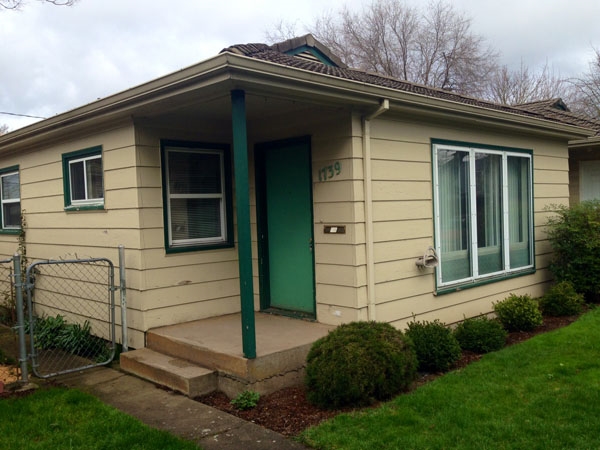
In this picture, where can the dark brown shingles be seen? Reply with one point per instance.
(542, 110)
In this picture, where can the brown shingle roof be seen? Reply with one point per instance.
(273, 54)
(556, 109)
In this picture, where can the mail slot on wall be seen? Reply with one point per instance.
(334, 229)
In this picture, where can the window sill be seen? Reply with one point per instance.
(13, 231)
(196, 248)
(482, 282)
(98, 207)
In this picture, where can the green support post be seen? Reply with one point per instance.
(242, 201)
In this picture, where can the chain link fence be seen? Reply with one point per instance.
(70, 314)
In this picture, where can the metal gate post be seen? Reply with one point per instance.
(20, 317)
(123, 288)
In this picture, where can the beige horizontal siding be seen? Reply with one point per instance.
(403, 217)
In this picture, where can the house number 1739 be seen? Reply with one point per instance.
(330, 171)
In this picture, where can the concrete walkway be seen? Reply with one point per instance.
(208, 427)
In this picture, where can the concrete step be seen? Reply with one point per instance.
(161, 341)
(175, 373)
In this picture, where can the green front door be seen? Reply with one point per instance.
(285, 226)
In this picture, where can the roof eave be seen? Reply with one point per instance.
(320, 84)
(120, 104)
(588, 142)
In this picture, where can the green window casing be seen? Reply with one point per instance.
(197, 196)
(83, 178)
(483, 213)
(10, 199)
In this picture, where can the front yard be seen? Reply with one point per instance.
(541, 394)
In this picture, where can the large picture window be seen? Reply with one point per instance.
(197, 195)
(10, 199)
(83, 179)
(483, 213)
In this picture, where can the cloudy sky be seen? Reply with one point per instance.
(54, 59)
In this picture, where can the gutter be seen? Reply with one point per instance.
(591, 141)
(368, 194)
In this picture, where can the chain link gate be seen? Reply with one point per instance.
(71, 315)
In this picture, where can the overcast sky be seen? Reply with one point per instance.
(53, 59)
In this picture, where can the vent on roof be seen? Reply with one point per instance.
(308, 55)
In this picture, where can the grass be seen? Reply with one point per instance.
(58, 418)
(541, 394)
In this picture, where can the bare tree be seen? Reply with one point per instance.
(3, 129)
(513, 87)
(434, 46)
(584, 95)
(16, 4)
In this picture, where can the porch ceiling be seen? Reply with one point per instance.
(218, 109)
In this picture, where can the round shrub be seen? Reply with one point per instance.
(518, 313)
(480, 335)
(562, 300)
(358, 363)
(436, 347)
(574, 233)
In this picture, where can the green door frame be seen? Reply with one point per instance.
(262, 228)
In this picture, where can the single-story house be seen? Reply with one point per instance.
(274, 178)
(584, 154)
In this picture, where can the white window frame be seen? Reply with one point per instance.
(472, 232)
(221, 196)
(87, 200)
(4, 201)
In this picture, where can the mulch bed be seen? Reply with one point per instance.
(288, 412)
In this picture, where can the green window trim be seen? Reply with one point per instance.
(197, 210)
(83, 179)
(10, 200)
(483, 213)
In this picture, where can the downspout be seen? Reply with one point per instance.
(368, 194)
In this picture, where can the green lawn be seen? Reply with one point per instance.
(58, 418)
(541, 394)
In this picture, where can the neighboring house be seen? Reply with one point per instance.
(275, 178)
(584, 154)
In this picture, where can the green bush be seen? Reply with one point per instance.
(518, 313)
(480, 335)
(574, 234)
(436, 347)
(358, 363)
(47, 332)
(562, 300)
(246, 400)
(55, 333)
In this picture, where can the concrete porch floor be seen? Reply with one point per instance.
(274, 333)
(214, 345)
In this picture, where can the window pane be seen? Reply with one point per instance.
(453, 178)
(195, 218)
(488, 182)
(518, 210)
(94, 181)
(10, 186)
(77, 180)
(194, 173)
(11, 215)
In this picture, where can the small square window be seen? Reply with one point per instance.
(83, 179)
